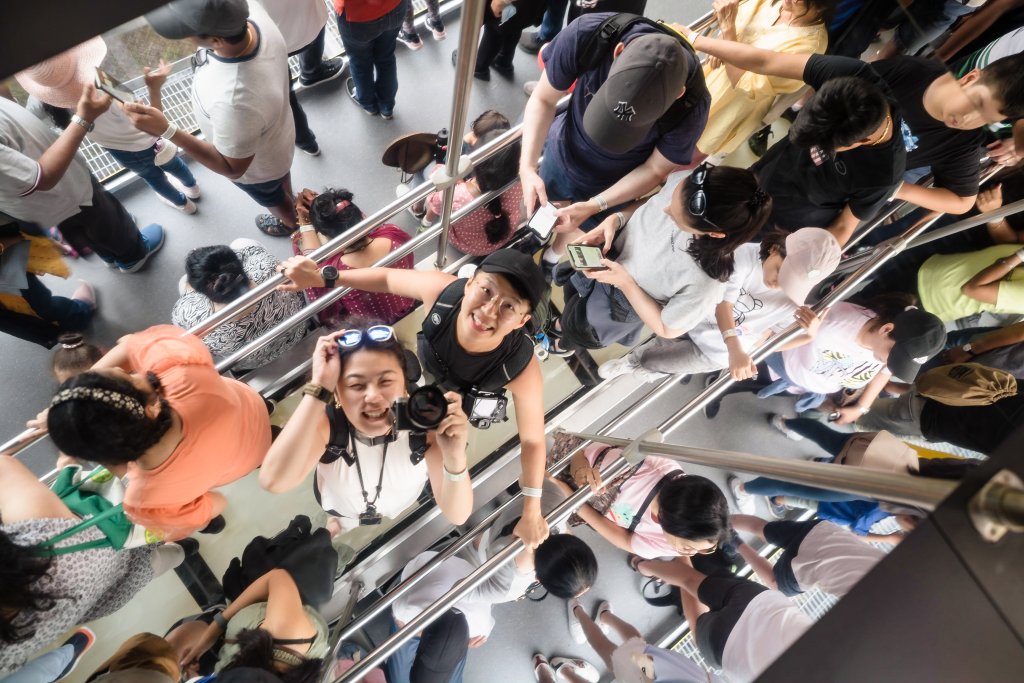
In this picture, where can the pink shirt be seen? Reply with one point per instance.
(468, 234)
(648, 539)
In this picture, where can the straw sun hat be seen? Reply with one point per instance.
(59, 79)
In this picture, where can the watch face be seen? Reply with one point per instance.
(330, 273)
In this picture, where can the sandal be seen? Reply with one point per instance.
(271, 225)
(580, 667)
(541, 663)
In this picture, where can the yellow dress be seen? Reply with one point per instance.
(736, 112)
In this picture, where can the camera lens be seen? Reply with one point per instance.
(427, 407)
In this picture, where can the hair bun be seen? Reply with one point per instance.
(759, 199)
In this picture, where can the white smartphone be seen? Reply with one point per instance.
(585, 257)
(113, 87)
(543, 221)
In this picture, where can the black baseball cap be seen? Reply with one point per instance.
(919, 336)
(247, 674)
(187, 18)
(644, 81)
(523, 274)
(442, 646)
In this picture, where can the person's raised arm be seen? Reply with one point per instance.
(643, 304)
(117, 357)
(447, 464)
(151, 120)
(155, 79)
(528, 396)
(297, 449)
(844, 225)
(55, 161)
(973, 26)
(740, 365)
(24, 497)
(851, 413)
(285, 619)
(1000, 230)
(984, 286)
(607, 529)
(935, 198)
(422, 285)
(537, 118)
(748, 58)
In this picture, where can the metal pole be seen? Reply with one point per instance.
(469, 37)
(463, 587)
(968, 223)
(859, 481)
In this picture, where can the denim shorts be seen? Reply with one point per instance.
(267, 193)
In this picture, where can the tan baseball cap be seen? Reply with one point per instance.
(812, 254)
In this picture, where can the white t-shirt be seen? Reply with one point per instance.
(833, 559)
(437, 583)
(834, 360)
(23, 139)
(768, 626)
(652, 249)
(298, 20)
(241, 105)
(339, 491)
(757, 309)
(114, 130)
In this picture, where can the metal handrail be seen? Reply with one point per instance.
(903, 488)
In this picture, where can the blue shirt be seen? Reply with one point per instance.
(579, 157)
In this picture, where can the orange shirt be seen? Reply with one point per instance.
(226, 433)
(359, 11)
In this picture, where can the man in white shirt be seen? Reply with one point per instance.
(239, 98)
(45, 181)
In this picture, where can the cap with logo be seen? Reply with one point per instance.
(523, 274)
(644, 81)
(187, 18)
(919, 336)
(812, 254)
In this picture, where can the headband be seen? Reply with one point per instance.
(111, 398)
(342, 205)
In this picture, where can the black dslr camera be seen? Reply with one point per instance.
(484, 408)
(420, 411)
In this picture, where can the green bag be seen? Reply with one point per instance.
(93, 509)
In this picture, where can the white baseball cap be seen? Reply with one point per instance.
(812, 254)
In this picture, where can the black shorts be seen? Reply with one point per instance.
(788, 536)
(728, 597)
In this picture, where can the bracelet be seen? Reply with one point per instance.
(602, 203)
(83, 123)
(455, 476)
(170, 132)
(863, 410)
(218, 618)
(531, 492)
(307, 228)
(730, 333)
(622, 218)
(1019, 254)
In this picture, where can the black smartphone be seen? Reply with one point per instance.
(113, 87)
(585, 257)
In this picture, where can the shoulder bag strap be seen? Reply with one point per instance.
(655, 490)
(47, 547)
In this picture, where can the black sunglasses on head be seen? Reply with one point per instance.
(698, 203)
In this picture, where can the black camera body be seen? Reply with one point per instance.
(420, 411)
(484, 408)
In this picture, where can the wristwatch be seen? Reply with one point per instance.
(75, 118)
(318, 392)
(968, 349)
(330, 276)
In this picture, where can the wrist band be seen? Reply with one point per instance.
(455, 476)
(531, 492)
(622, 218)
(222, 623)
(170, 132)
(864, 410)
(307, 228)
(730, 333)
(602, 203)
(1019, 254)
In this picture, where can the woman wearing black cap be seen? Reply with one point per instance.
(472, 342)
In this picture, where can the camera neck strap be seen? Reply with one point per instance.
(371, 506)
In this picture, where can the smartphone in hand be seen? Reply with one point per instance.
(113, 87)
(585, 257)
(543, 221)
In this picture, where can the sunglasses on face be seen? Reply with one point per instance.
(697, 206)
(350, 339)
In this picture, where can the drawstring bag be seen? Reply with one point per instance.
(93, 509)
(878, 451)
(966, 384)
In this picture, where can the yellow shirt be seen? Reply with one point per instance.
(736, 112)
(940, 278)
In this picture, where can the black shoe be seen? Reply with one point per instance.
(506, 70)
(548, 269)
(350, 88)
(312, 149)
(790, 114)
(480, 75)
(189, 545)
(329, 68)
(711, 409)
(531, 43)
(758, 142)
(215, 526)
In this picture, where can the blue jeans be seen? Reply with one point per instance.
(142, 164)
(763, 486)
(43, 669)
(399, 665)
(552, 23)
(68, 314)
(805, 401)
(830, 440)
(370, 46)
(560, 187)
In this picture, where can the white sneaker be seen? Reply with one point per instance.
(619, 366)
(779, 422)
(744, 501)
(191, 192)
(575, 627)
(602, 607)
(580, 667)
(189, 207)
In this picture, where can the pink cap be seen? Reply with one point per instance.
(812, 254)
(59, 80)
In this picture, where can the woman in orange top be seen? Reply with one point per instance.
(156, 409)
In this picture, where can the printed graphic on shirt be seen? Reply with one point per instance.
(623, 513)
(849, 372)
(746, 303)
(909, 139)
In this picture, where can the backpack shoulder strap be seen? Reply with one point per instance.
(447, 300)
(518, 360)
(655, 490)
(337, 441)
(600, 43)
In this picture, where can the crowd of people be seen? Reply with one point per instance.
(696, 264)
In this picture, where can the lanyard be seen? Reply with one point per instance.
(370, 516)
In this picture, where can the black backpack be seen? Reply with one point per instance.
(603, 40)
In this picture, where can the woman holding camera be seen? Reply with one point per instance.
(369, 463)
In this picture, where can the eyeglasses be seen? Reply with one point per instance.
(704, 551)
(698, 204)
(507, 308)
(376, 334)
